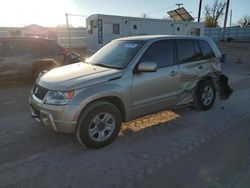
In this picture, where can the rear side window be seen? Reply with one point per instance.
(206, 49)
(186, 51)
(161, 52)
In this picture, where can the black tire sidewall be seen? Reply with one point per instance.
(198, 95)
(85, 119)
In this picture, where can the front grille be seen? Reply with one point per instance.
(39, 92)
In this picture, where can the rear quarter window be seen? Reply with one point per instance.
(206, 50)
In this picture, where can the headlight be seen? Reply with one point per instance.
(58, 97)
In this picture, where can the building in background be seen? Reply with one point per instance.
(104, 28)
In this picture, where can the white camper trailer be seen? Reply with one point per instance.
(104, 28)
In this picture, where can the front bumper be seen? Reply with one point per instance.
(57, 118)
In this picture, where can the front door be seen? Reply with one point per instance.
(155, 91)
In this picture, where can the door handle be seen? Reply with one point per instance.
(173, 73)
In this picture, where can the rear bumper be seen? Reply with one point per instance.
(50, 115)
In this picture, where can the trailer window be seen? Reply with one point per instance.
(116, 29)
(90, 27)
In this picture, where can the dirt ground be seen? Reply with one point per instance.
(181, 148)
(237, 52)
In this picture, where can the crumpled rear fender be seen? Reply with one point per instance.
(224, 90)
(220, 82)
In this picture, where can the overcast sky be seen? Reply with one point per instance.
(52, 12)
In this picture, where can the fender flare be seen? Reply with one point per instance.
(43, 63)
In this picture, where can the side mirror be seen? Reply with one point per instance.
(147, 67)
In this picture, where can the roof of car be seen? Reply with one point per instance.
(153, 37)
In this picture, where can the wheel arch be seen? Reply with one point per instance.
(210, 77)
(43, 63)
(116, 101)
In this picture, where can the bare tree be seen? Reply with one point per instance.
(244, 21)
(213, 13)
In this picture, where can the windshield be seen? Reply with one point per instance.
(117, 54)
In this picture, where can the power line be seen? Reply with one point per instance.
(78, 15)
(179, 5)
(157, 10)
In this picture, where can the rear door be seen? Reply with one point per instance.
(193, 64)
(154, 91)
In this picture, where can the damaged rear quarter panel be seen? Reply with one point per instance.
(191, 73)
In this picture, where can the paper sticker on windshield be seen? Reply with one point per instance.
(129, 45)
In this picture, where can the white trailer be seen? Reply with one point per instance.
(104, 28)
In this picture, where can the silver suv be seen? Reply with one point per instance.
(128, 78)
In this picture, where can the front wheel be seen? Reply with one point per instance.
(98, 125)
(204, 95)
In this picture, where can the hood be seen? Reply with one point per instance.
(78, 75)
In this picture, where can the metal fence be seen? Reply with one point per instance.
(234, 33)
(76, 38)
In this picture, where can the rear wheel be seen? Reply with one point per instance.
(205, 95)
(98, 125)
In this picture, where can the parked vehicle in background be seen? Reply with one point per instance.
(26, 57)
(128, 78)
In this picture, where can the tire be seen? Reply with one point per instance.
(204, 95)
(98, 125)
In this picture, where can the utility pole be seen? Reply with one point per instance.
(199, 14)
(231, 14)
(225, 19)
(69, 35)
(179, 5)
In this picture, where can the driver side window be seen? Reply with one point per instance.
(160, 52)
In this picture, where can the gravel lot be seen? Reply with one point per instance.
(178, 148)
